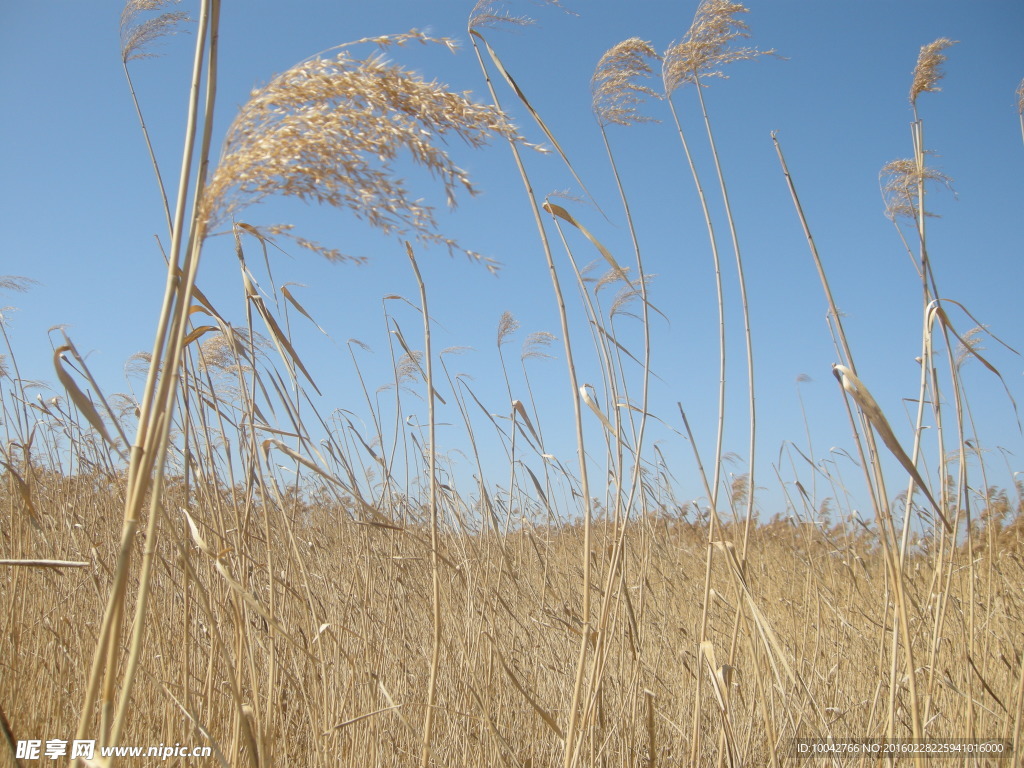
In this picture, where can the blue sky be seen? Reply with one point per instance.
(79, 210)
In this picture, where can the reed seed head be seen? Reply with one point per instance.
(506, 327)
(610, 277)
(493, 13)
(928, 71)
(970, 344)
(535, 346)
(229, 350)
(329, 130)
(16, 283)
(1020, 98)
(616, 84)
(136, 36)
(901, 182)
(708, 45)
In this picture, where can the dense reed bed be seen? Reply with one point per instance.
(222, 559)
(325, 630)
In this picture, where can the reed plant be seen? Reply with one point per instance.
(290, 581)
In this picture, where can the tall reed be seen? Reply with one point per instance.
(313, 582)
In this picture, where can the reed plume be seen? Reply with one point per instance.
(329, 130)
(708, 45)
(616, 86)
(491, 13)
(137, 36)
(928, 70)
(901, 181)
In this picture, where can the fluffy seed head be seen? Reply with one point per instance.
(136, 36)
(535, 345)
(928, 71)
(493, 13)
(506, 327)
(901, 182)
(329, 130)
(708, 45)
(615, 85)
(970, 344)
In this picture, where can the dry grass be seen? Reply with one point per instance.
(351, 629)
(291, 588)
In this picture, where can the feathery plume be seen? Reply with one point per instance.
(928, 71)
(137, 36)
(708, 45)
(535, 345)
(16, 283)
(506, 327)
(330, 129)
(970, 344)
(611, 276)
(900, 181)
(492, 14)
(615, 85)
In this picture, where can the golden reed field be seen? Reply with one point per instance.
(166, 582)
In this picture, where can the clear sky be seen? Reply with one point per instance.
(79, 210)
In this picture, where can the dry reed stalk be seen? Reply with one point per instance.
(29, 563)
(177, 339)
(927, 74)
(719, 292)
(747, 330)
(435, 653)
(875, 483)
(136, 39)
(708, 46)
(617, 91)
(154, 420)
(480, 17)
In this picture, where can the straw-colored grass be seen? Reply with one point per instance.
(341, 671)
(293, 588)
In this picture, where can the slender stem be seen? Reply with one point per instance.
(747, 334)
(149, 147)
(435, 653)
(642, 278)
(570, 734)
(155, 412)
(695, 731)
(713, 241)
(877, 487)
(155, 513)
